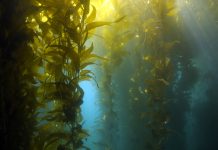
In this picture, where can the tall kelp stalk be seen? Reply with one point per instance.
(62, 29)
(151, 99)
(115, 39)
(160, 72)
(17, 91)
(137, 90)
(133, 89)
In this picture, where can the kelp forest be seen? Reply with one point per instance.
(108, 74)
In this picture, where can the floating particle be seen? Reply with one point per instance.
(44, 19)
(132, 79)
(136, 99)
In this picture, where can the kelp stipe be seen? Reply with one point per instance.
(114, 38)
(160, 75)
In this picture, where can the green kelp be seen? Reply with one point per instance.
(162, 60)
(62, 29)
(160, 73)
(114, 42)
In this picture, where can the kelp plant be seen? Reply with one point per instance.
(152, 77)
(61, 29)
(114, 48)
(161, 73)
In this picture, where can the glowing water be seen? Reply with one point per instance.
(89, 110)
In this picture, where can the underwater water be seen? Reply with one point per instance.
(109, 75)
(193, 109)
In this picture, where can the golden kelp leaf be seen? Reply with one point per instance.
(172, 12)
(92, 16)
(54, 53)
(86, 72)
(119, 19)
(85, 78)
(83, 134)
(85, 4)
(96, 56)
(60, 47)
(169, 45)
(73, 34)
(164, 81)
(96, 24)
(85, 64)
(54, 59)
(88, 56)
(86, 53)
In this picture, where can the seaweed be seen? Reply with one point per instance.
(114, 41)
(62, 30)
